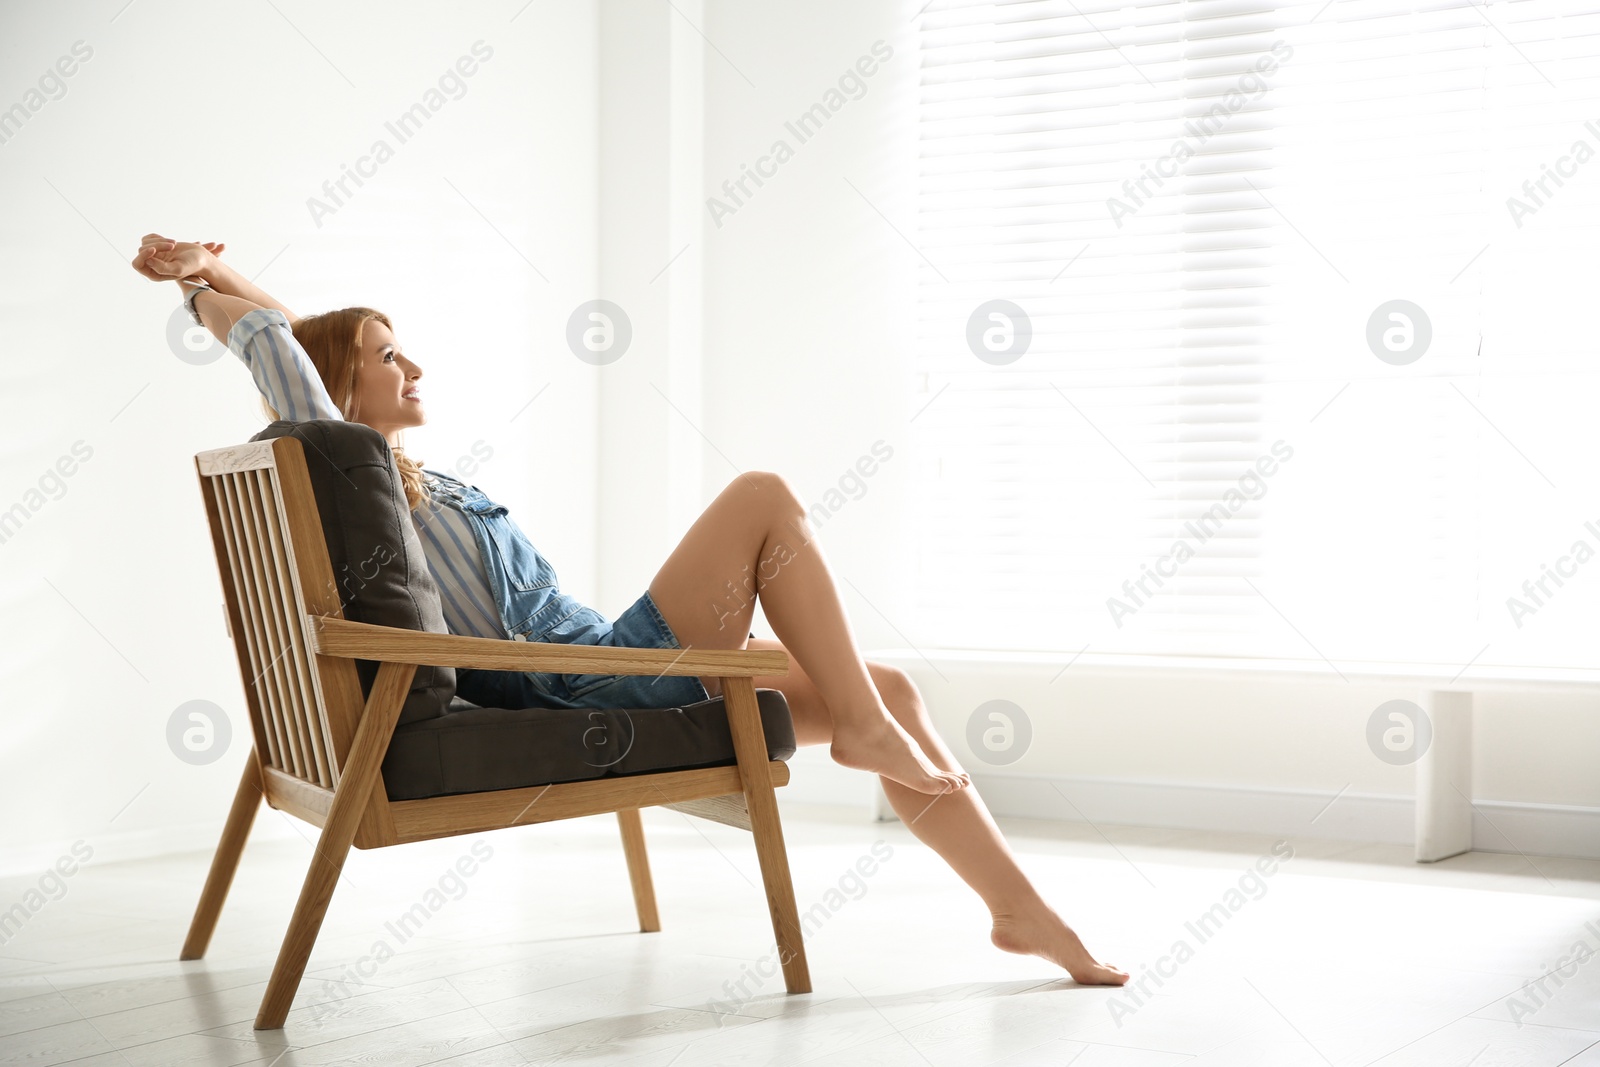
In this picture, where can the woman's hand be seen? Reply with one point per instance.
(163, 259)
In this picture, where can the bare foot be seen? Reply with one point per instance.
(1046, 935)
(885, 748)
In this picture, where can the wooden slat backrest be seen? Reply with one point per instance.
(275, 571)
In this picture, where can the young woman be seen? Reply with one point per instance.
(347, 364)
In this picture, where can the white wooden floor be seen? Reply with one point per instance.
(1346, 955)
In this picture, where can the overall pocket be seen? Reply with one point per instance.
(578, 686)
(525, 569)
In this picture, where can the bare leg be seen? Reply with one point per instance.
(753, 540)
(957, 825)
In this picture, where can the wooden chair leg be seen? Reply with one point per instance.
(644, 892)
(750, 746)
(382, 711)
(246, 801)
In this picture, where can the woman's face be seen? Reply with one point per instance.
(386, 384)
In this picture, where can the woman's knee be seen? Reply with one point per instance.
(898, 691)
(770, 492)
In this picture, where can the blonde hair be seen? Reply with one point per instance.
(333, 341)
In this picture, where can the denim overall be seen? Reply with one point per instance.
(533, 608)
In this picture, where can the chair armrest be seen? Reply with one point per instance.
(389, 644)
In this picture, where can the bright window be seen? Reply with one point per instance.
(1232, 227)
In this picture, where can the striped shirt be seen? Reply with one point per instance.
(287, 378)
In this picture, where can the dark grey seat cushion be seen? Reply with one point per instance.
(471, 749)
(378, 566)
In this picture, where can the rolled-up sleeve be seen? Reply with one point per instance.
(283, 372)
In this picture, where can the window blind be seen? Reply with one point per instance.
(1253, 329)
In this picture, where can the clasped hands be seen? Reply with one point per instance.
(162, 259)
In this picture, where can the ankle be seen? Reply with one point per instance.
(1023, 911)
(869, 720)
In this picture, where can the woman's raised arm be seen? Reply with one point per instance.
(259, 335)
(229, 282)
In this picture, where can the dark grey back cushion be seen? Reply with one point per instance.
(378, 566)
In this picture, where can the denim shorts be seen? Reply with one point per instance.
(641, 625)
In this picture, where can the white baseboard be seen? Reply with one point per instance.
(1533, 829)
(1497, 826)
(1536, 829)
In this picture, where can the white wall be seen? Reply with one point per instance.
(218, 123)
(648, 441)
(808, 287)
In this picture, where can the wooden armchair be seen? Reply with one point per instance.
(319, 746)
